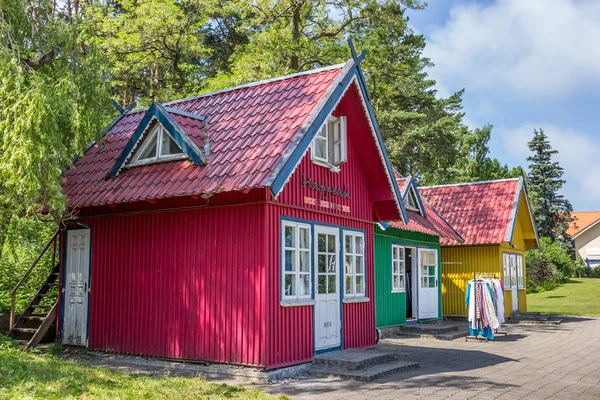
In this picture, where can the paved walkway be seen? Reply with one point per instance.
(532, 362)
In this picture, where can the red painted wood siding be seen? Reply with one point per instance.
(290, 329)
(186, 284)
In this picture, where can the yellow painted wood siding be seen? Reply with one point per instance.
(458, 266)
(522, 300)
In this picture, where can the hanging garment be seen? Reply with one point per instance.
(499, 302)
(481, 309)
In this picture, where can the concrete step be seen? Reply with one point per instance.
(549, 321)
(525, 313)
(352, 359)
(445, 336)
(367, 374)
(429, 328)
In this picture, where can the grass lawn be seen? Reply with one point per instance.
(578, 297)
(30, 375)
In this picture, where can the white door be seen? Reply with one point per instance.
(76, 287)
(514, 279)
(428, 284)
(327, 293)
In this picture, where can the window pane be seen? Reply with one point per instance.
(394, 252)
(290, 236)
(169, 147)
(331, 284)
(349, 265)
(320, 147)
(400, 253)
(322, 282)
(431, 281)
(290, 285)
(304, 238)
(401, 267)
(395, 267)
(348, 246)
(359, 245)
(304, 261)
(323, 131)
(150, 151)
(360, 267)
(432, 271)
(348, 285)
(331, 243)
(424, 281)
(322, 263)
(401, 280)
(360, 284)
(304, 285)
(321, 243)
(424, 271)
(290, 260)
(396, 282)
(331, 267)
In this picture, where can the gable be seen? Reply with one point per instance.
(524, 234)
(481, 212)
(361, 180)
(582, 221)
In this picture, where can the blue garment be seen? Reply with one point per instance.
(486, 332)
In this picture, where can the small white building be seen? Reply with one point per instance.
(585, 233)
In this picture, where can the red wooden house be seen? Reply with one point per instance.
(232, 227)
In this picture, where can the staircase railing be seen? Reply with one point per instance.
(13, 301)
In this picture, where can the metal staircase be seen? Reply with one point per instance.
(37, 318)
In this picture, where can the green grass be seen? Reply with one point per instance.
(30, 375)
(578, 297)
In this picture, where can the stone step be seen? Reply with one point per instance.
(429, 328)
(445, 336)
(526, 313)
(352, 359)
(548, 321)
(365, 375)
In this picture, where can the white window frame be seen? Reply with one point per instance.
(411, 196)
(297, 250)
(354, 254)
(399, 262)
(505, 269)
(520, 276)
(159, 131)
(336, 149)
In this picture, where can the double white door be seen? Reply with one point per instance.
(327, 293)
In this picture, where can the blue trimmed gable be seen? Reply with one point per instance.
(163, 116)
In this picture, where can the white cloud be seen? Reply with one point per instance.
(577, 154)
(526, 48)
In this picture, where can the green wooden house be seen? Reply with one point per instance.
(408, 262)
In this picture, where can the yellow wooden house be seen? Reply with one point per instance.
(494, 219)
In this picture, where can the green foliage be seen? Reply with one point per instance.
(550, 267)
(540, 271)
(25, 239)
(576, 297)
(552, 211)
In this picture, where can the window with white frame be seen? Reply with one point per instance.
(354, 264)
(520, 277)
(398, 268)
(329, 145)
(506, 270)
(411, 200)
(158, 146)
(295, 265)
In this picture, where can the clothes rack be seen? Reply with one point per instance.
(481, 277)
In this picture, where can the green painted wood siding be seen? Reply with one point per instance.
(390, 308)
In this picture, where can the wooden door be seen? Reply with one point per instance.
(76, 286)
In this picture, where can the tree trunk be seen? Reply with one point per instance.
(296, 7)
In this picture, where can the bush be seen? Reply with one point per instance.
(565, 264)
(541, 271)
(595, 273)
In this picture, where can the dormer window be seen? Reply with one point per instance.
(158, 146)
(329, 147)
(411, 200)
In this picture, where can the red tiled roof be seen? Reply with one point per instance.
(431, 224)
(250, 130)
(581, 221)
(481, 212)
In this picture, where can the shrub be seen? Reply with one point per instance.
(595, 273)
(541, 271)
(565, 264)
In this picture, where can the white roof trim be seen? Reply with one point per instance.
(590, 226)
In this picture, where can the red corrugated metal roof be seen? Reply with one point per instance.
(250, 128)
(481, 212)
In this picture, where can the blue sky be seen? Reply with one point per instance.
(524, 65)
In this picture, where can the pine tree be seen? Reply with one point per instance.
(552, 211)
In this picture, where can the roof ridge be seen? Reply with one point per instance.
(470, 183)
